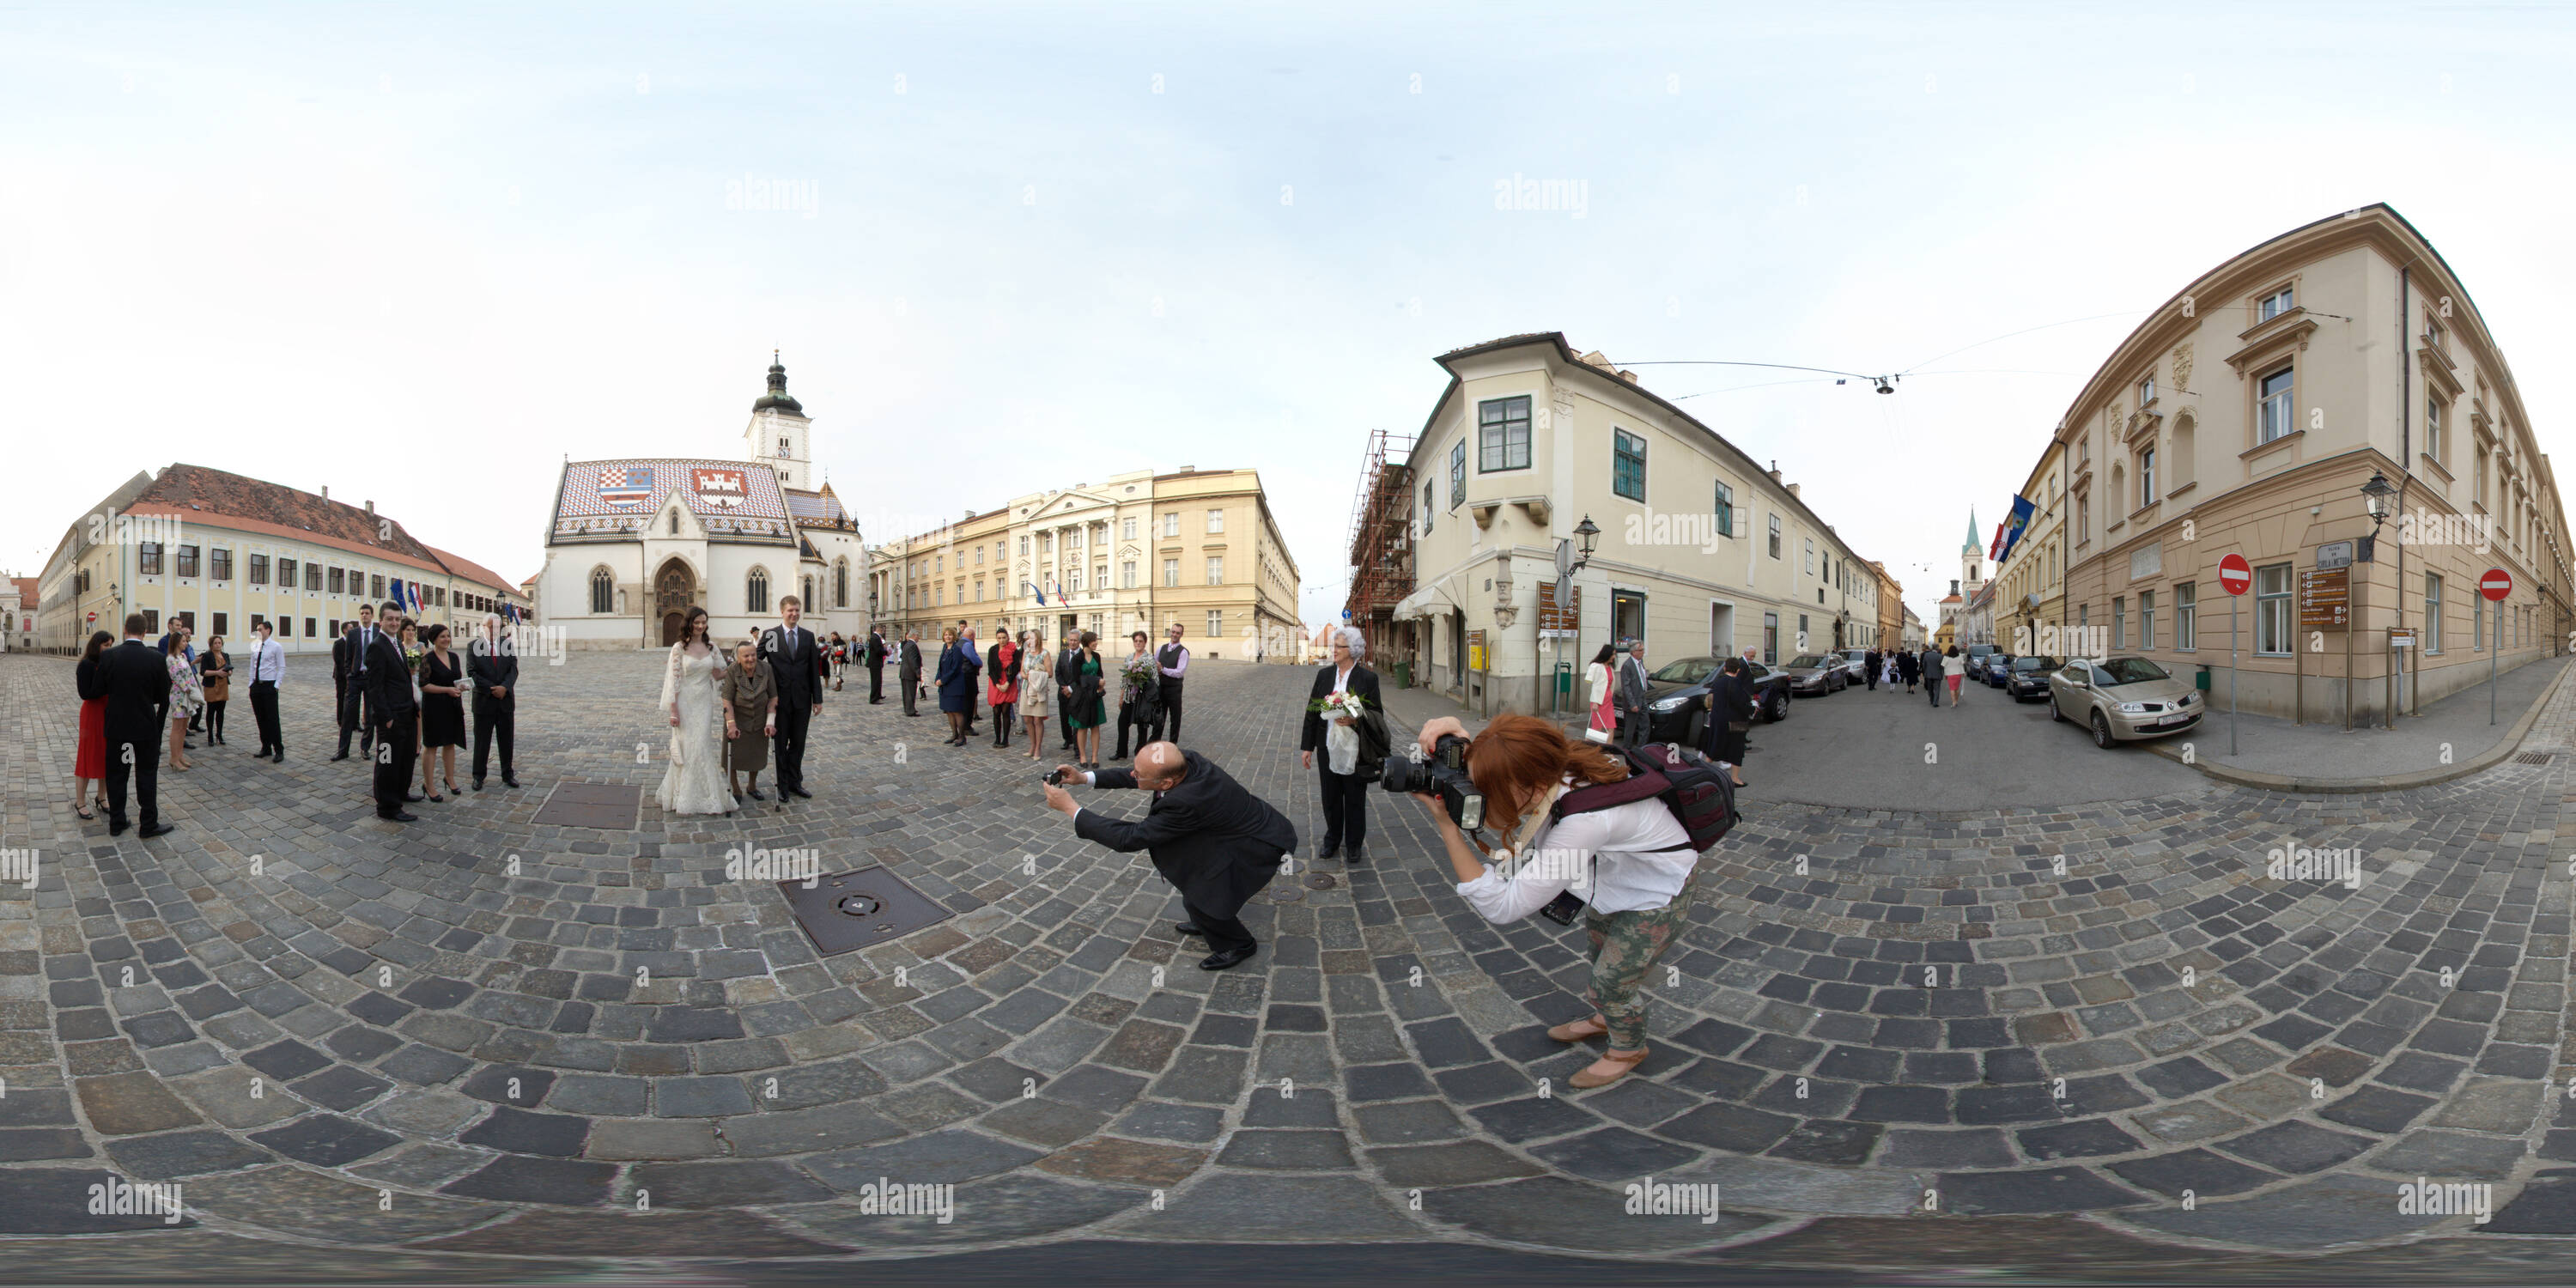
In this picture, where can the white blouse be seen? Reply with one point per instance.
(1633, 871)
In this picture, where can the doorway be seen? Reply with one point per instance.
(674, 592)
(1627, 615)
(1721, 630)
(1458, 651)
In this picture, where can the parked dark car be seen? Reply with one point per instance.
(1677, 693)
(1998, 667)
(2028, 677)
(1975, 656)
(1817, 674)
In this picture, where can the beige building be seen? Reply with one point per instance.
(1891, 607)
(2030, 593)
(1138, 551)
(222, 551)
(1700, 551)
(2246, 416)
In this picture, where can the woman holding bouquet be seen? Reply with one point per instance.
(1342, 708)
(1037, 689)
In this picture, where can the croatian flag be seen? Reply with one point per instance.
(1033, 589)
(626, 487)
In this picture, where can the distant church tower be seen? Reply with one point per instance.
(1972, 560)
(780, 435)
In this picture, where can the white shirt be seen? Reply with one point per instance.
(1342, 678)
(267, 661)
(1633, 872)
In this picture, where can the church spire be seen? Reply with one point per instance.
(1972, 543)
(776, 398)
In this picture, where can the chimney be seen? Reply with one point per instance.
(1629, 376)
(326, 494)
(371, 509)
(1775, 471)
(1793, 490)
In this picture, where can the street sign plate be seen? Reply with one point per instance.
(2334, 554)
(2496, 584)
(2324, 598)
(2401, 639)
(1564, 558)
(2235, 575)
(1560, 606)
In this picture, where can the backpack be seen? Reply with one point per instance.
(1700, 795)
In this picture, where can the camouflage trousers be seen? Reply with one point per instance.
(1624, 946)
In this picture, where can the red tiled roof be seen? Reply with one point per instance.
(197, 493)
(472, 571)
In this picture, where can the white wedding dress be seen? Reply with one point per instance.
(693, 781)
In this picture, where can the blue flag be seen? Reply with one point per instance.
(2022, 510)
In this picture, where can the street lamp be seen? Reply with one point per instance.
(2376, 495)
(1589, 532)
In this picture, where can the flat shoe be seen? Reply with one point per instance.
(1586, 1080)
(1577, 1031)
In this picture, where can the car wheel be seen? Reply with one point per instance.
(2102, 732)
(1779, 706)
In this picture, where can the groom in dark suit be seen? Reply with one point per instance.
(796, 659)
(396, 714)
(1207, 835)
(135, 679)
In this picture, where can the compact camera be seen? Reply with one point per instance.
(1443, 774)
(1057, 777)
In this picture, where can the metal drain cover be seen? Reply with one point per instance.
(2532, 758)
(851, 910)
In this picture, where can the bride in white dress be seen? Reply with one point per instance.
(693, 782)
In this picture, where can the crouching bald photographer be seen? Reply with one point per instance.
(1632, 865)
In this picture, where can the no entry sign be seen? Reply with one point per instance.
(2235, 574)
(2496, 584)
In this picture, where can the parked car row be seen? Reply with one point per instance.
(1677, 692)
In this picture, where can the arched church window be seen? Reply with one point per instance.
(756, 591)
(603, 591)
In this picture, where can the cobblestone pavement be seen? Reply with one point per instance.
(334, 1029)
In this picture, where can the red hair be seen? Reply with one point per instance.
(1517, 758)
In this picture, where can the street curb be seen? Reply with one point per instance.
(2505, 747)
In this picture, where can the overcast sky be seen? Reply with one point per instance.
(422, 259)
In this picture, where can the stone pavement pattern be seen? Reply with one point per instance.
(337, 1029)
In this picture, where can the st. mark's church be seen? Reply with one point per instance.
(635, 543)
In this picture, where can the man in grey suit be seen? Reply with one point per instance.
(907, 670)
(1932, 672)
(1631, 685)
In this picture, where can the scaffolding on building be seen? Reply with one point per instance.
(1381, 549)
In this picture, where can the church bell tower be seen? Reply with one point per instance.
(780, 434)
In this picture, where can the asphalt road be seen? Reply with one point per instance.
(1891, 750)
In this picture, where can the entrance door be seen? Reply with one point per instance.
(1721, 630)
(670, 629)
(1065, 629)
(674, 591)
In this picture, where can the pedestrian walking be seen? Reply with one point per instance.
(1870, 662)
(1730, 718)
(1932, 673)
(1954, 669)
(1632, 694)
(1598, 687)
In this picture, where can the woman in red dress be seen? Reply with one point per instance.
(89, 758)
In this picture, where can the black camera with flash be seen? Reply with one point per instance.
(1444, 775)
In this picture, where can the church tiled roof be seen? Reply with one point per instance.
(613, 500)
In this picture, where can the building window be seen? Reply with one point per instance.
(1811, 556)
(1024, 544)
(2147, 477)
(979, 556)
(603, 590)
(1171, 572)
(339, 583)
(1216, 522)
(152, 621)
(1724, 507)
(841, 580)
(187, 561)
(2272, 406)
(979, 590)
(2432, 613)
(2433, 431)
(1771, 638)
(1172, 524)
(2272, 610)
(2478, 623)
(376, 586)
(308, 628)
(2083, 519)
(1627, 465)
(1216, 570)
(755, 592)
(2481, 485)
(2186, 616)
(2146, 391)
(1216, 623)
(1503, 435)
(2273, 305)
(1457, 473)
(1127, 575)
(1427, 508)
(1775, 536)
(1100, 576)
(2119, 621)
(312, 576)
(259, 570)
(2146, 619)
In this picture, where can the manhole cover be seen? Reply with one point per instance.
(1320, 881)
(852, 910)
(611, 806)
(2533, 758)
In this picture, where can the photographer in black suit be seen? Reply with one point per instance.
(1207, 835)
(1346, 795)
(492, 663)
(395, 710)
(795, 658)
(135, 678)
(876, 656)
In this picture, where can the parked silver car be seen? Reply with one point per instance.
(2123, 699)
(1817, 673)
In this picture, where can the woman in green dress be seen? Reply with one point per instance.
(1083, 712)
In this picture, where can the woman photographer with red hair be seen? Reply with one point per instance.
(1632, 866)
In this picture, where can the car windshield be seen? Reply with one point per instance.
(1805, 661)
(1980, 650)
(2128, 670)
(2034, 664)
(1690, 670)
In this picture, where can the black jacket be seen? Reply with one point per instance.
(388, 680)
(489, 668)
(876, 653)
(344, 656)
(135, 680)
(796, 659)
(1364, 683)
(910, 666)
(1214, 840)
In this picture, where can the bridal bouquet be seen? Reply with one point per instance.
(1333, 706)
(1341, 741)
(1138, 674)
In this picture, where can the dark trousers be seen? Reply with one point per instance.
(1141, 716)
(143, 757)
(1064, 714)
(1873, 679)
(911, 686)
(1002, 723)
(1224, 934)
(1167, 720)
(213, 715)
(787, 748)
(970, 706)
(353, 703)
(1632, 727)
(397, 748)
(1933, 683)
(263, 712)
(495, 716)
(1345, 806)
(876, 682)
